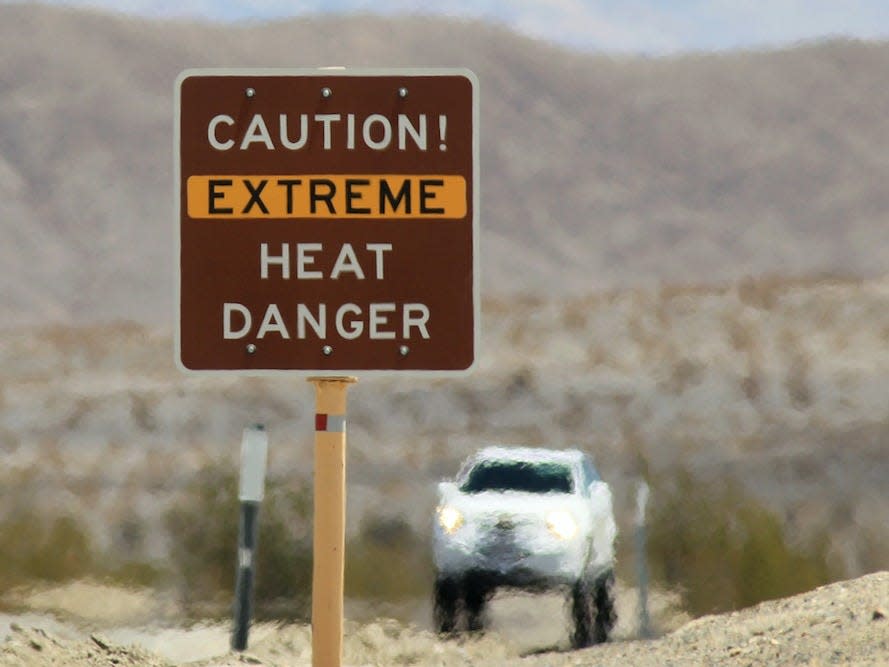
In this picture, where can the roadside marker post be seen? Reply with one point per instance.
(642, 492)
(254, 453)
(328, 549)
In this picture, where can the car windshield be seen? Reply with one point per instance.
(518, 476)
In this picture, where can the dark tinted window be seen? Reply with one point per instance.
(518, 476)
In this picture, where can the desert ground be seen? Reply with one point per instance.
(842, 623)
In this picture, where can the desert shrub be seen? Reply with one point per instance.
(36, 547)
(722, 548)
(132, 572)
(385, 561)
(40, 545)
(388, 561)
(203, 532)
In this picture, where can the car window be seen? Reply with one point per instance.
(590, 471)
(541, 477)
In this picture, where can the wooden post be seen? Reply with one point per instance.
(329, 539)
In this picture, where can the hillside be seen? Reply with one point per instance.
(775, 388)
(597, 172)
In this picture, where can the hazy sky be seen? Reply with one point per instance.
(649, 26)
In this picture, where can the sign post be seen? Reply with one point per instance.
(328, 225)
(329, 540)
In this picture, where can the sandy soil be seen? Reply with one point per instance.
(843, 623)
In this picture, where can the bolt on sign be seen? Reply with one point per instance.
(328, 220)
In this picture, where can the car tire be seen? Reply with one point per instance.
(582, 614)
(606, 615)
(445, 604)
(476, 591)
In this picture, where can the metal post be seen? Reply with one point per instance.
(254, 452)
(642, 559)
(329, 520)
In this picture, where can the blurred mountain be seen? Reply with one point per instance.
(597, 171)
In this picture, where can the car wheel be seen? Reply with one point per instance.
(446, 597)
(476, 591)
(606, 615)
(581, 614)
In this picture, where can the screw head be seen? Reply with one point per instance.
(402, 92)
(250, 93)
(251, 348)
(326, 92)
(327, 350)
(403, 350)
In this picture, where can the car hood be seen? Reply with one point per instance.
(512, 503)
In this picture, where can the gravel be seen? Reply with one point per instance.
(843, 623)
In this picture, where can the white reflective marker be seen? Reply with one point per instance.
(641, 501)
(254, 452)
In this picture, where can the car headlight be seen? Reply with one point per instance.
(561, 524)
(450, 519)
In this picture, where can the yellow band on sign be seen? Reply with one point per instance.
(327, 196)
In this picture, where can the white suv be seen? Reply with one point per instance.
(535, 519)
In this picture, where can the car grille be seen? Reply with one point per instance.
(498, 545)
(505, 523)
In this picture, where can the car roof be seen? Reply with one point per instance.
(530, 454)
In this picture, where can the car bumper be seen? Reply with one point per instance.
(543, 561)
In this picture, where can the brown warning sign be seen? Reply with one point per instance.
(327, 220)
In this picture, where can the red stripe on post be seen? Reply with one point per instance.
(330, 423)
(320, 422)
